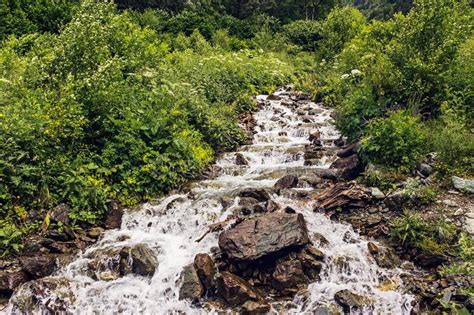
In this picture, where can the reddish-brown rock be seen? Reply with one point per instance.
(265, 235)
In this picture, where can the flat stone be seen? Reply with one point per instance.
(377, 193)
(349, 300)
(265, 235)
(450, 203)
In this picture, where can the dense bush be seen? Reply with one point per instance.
(105, 111)
(305, 33)
(398, 141)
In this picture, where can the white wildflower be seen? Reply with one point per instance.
(344, 76)
(356, 73)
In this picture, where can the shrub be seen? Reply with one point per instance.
(339, 27)
(412, 231)
(305, 33)
(398, 141)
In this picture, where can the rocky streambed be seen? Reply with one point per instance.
(253, 235)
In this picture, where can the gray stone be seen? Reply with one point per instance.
(377, 193)
(464, 185)
(349, 300)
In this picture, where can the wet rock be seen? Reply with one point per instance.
(259, 194)
(319, 239)
(240, 159)
(340, 142)
(121, 261)
(429, 260)
(349, 300)
(113, 219)
(265, 235)
(385, 257)
(349, 151)
(247, 201)
(286, 182)
(315, 136)
(144, 261)
(311, 260)
(373, 249)
(464, 185)
(349, 168)
(45, 296)
(289, 274)
(425, 169)
(273, 97)
(191, 287)
(10, 279)
(271, 206)
(205, 269)
(38, 266)
(236, 291)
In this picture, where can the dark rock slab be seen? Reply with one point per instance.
(39, 266)
(429, 260)
(259, 194)
(191, 287)
(349, 168)
(286, 182)
(205, 269)
(265, 235)
(349, 150)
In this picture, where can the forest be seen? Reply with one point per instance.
(121, 102)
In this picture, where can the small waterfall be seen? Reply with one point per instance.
(170, 226)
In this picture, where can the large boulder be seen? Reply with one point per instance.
(349, 168)
(236, 291)
(286, 182)
(265, 235)
(113, 262)
(205, 269)
(39, 266)
(349, 300)
(191, 287)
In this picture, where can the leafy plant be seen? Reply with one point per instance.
(397, 141)
(10, 239)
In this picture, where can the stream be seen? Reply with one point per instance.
(171, 225)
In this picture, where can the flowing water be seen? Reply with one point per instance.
(171, 226)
